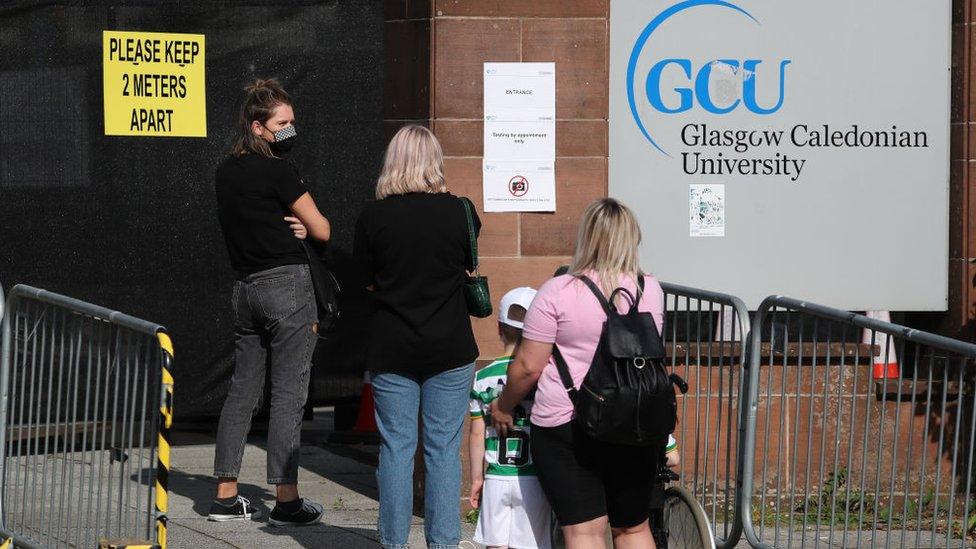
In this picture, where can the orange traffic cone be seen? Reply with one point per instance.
(366, 420)
(885, 364)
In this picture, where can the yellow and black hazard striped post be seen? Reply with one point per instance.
(165, 422)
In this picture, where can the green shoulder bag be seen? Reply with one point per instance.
(475, 287)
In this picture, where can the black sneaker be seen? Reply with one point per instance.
(308, 513)
(239, 510)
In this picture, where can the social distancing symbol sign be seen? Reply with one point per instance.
(154, 84)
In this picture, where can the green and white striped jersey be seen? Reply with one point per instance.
(516, 459)
(509, 458)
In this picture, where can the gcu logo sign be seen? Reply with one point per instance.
(701, 90)
(698, 89)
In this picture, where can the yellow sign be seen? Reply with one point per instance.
(153, 84)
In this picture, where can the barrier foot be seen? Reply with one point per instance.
(123, 544)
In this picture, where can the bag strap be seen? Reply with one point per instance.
(597, 292)
(634, 301)
(472, 238)
(564, 376)
(605, 303)
(630, 297)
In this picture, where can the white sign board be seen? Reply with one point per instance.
(520, 137)
(795, 147)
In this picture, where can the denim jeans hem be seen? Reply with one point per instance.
(394, 545)
(441, 546)
(282, 481)
(226, 474)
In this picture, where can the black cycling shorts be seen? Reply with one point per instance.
(585, 479)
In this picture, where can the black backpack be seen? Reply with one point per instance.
(627, 396)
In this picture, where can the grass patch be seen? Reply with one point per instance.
(840, 505)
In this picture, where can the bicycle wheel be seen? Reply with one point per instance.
(685, 522)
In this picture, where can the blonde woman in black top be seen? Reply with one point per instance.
(413, 244)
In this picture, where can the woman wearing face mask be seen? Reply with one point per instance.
(261, 200)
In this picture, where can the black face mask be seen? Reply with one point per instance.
(284, 140)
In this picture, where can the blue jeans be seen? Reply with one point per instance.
(442, 400)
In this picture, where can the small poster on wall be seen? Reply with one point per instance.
(706, 210)
(520, 137)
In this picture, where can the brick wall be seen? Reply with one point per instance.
(517, 249)
(434, 55)
(407, 78)
(523, 248)
(960, 320)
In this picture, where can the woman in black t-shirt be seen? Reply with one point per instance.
(413, 244)
(261, 200)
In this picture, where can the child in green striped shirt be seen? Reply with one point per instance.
(514, 510)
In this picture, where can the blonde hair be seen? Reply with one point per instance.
(261, 98)
(413, 163)
(607, 243)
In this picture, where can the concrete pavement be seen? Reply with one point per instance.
(340, 477)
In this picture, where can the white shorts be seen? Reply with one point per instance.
(514, 512)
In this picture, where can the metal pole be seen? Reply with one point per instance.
(5, 345)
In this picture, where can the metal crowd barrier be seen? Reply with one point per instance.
(85, 412)
(704, 333)
(808, 426)
(858, 432)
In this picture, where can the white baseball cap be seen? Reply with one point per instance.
(519, 296)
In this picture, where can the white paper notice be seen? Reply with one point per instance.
(512, 141)
(520, 137)
(519, 186)
(520, 91)
(706, 210)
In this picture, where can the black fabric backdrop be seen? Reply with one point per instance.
(129, 222)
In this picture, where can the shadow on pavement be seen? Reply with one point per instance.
(312, 537)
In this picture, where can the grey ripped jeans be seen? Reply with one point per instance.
(274, 311)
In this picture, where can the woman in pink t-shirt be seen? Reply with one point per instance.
(588, 483)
